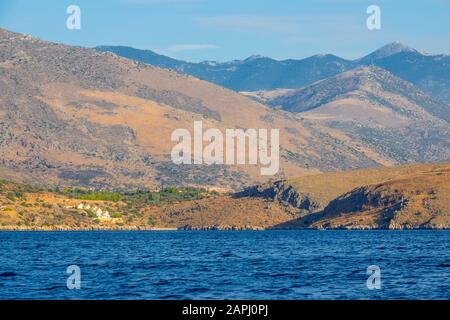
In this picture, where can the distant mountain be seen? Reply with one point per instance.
(384, 52)
(145, 56)
(371, 104)
(364, 82)
(431, 73)
(251, 74)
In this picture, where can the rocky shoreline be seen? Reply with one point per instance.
(221, 228)
(402, 198)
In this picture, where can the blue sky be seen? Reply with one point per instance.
(223, 30)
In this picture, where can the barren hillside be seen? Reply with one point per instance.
(388, 114)
(386, 198)
(75, 116)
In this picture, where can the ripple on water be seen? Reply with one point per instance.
(224, 265)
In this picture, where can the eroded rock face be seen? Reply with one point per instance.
(284, 193)
(365, 198)
(367, 207)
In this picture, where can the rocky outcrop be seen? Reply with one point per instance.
(366, 198)
(283, 193)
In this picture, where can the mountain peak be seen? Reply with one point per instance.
(395, 47)
(321, 55)
(388, 50)
(255, 57)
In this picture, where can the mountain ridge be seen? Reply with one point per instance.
(371, 104)
(429, 72)
(364, 76)
(385, 51)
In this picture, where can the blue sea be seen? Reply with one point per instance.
(295, 264)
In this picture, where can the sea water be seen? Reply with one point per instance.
(296, 264)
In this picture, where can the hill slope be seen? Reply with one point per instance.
(429, 72)
(384, 111)
(389, 198)
(75, 116)
(384, 198)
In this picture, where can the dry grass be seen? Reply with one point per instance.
(95, 119)
(415, 196)
(325, 187)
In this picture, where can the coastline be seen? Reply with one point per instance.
(137, 229)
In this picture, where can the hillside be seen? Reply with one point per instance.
(389, 198)
(76, 116)
(385, 198)
(414, 196)
(369, 103)
(429, 72)
(364, 83)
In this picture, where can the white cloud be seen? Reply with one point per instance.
(190, 47)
